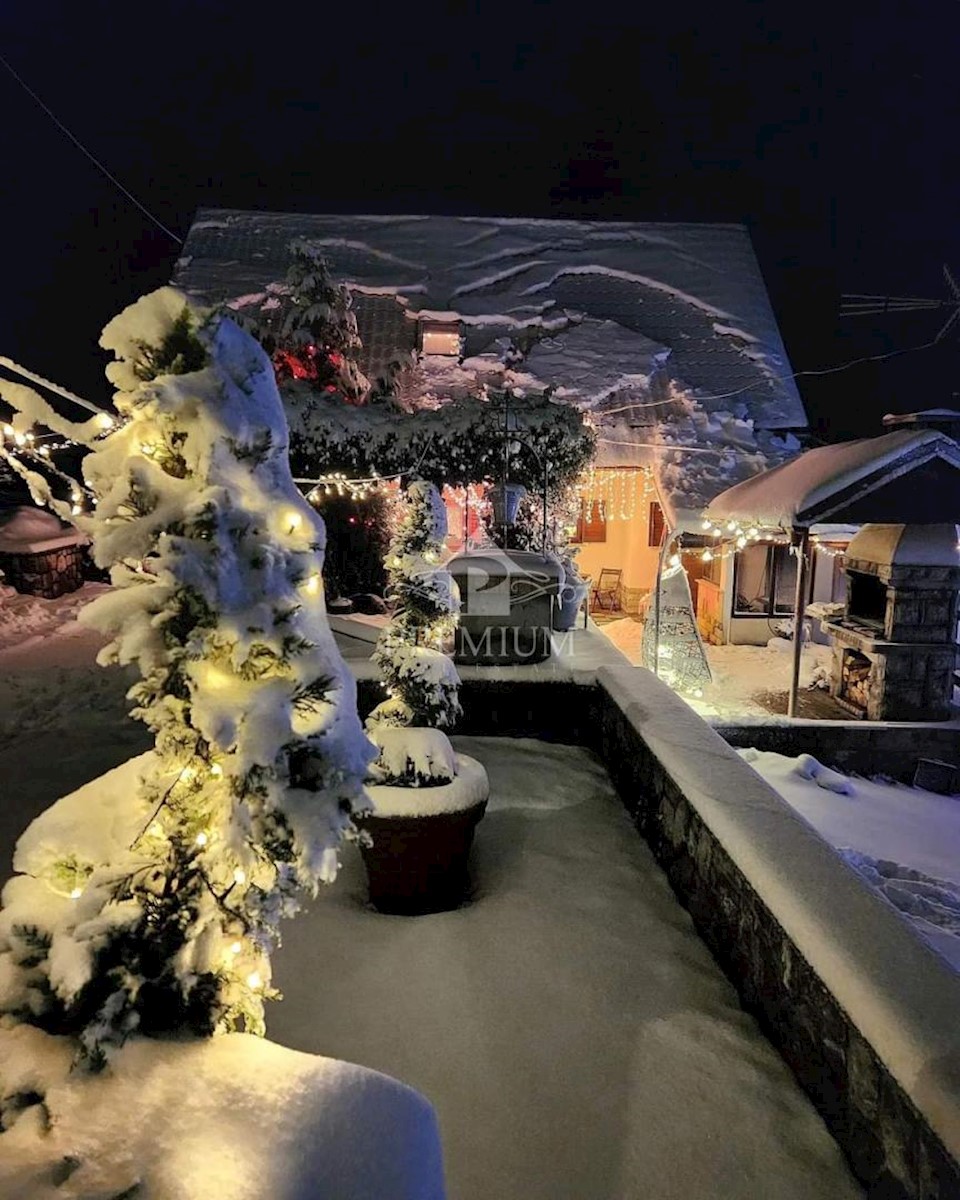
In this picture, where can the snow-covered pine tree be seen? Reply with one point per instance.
(421, 679)
(311, 335)
(259, 757)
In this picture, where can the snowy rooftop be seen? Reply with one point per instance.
(692, 294)
(822, 483)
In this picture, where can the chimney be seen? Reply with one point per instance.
(942, 420)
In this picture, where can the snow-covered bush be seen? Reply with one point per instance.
(412, 757)
(421, 679)
(155, 909)
(458, 443)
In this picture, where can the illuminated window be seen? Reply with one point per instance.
(440, 337)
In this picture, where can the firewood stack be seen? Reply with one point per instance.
(855, 682)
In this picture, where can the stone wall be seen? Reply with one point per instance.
(862, 749)
(889, 1143)
(49, 574)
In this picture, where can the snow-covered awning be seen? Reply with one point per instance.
(905, 477)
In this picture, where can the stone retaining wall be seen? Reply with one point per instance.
(886, 1136)
(861, 748)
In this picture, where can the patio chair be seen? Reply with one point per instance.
(606, 594)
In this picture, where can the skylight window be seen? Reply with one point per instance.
(440, 337)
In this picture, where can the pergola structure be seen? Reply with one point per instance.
(908, 477)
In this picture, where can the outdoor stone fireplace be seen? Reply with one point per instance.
(895, 649)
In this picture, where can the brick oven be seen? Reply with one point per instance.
(895, 648)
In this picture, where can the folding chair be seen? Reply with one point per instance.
(606, 594)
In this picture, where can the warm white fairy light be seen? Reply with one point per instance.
(76, 893)
(254, 980)
(201, 839)
(240, 876)
(294, 520)
(311, 585)
(105, 421)
(216, 770)
(236, 947)
(615, 492)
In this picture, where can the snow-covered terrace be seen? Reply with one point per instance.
(571, 1029)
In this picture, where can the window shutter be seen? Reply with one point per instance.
(592, 525)
(656, 524)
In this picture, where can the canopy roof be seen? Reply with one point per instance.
(909, 476)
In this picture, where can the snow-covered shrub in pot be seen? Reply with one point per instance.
(427, 799)
(147, 903)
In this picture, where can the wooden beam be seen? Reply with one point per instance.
(800, 604)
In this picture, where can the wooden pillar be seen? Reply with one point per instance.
(799, 607)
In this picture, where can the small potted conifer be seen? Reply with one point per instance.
(427, 798)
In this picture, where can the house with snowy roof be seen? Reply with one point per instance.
(662, 334)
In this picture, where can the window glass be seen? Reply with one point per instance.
(785, 595)
(753, 581)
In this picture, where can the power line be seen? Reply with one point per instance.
(752, 387)
(83, 150)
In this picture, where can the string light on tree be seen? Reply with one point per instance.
(220, 856)
(421, 681)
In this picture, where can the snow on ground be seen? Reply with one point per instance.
(258, 1120)
(739, 672)
(63, 719)
(569, 1027)
(904, 841)
(29, 624)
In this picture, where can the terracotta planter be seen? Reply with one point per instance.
(418, 865)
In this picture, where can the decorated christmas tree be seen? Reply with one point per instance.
(150, 901)
(420, 677)
(308, 329)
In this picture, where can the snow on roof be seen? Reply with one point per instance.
(695, 290)
(796, 493)
(588, 362)
(907, 545)
(30, 530)
(911, 418)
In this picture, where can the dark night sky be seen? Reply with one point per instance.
(829, 129)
